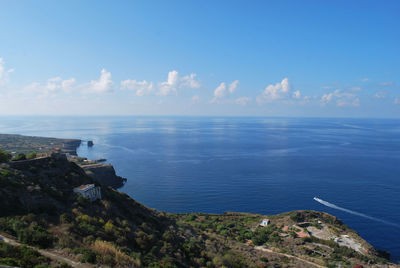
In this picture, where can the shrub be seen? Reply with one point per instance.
(109, 227)
(4, 157)
(36, 236)
(66, 242)
(297, 217)
(21, 256)
(83, 201)
(64, 265)
(5, 173)
(19, 157)
(31, 155)
(65, 218)
(88, 255)
(86, 228)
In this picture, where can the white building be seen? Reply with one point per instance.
(89, 191)
(265, 222)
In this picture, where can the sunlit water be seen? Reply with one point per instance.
(260, 165)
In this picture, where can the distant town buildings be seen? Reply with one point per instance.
(89, 191)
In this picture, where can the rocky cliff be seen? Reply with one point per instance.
(105, 174)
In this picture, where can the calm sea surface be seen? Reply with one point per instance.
(260, 165)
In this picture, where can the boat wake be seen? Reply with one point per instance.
(325, 203)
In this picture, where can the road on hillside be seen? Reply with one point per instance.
(52, 255)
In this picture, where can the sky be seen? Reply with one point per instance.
(206, 58)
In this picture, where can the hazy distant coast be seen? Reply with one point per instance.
(104, 173)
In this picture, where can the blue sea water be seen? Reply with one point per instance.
(248, 164)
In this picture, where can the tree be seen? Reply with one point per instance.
(31, 155)
(19, 157)
(4, 157)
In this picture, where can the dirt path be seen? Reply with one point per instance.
(52, 255)
(288, 256)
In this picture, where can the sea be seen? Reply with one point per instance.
(349, 168)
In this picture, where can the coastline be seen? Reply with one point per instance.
(102, 172)
(70, 146)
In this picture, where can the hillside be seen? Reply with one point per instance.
(39, 208)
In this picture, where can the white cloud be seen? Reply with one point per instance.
(278, 91)
(233, 86)
(326, 98)
(4, 73)
(57, 83)
(222, 90)
(52, 86)
(386, 84)
(380, 95)
(342, 98)
(140, 87)
(396, 100)
(355, 89)
(168, 87)
(345, 102)
(174, 82)
(297, 94)
(219, 92)
(190, 81)
(365, 79)
(243, 100)
(195, 99)
(104, 84)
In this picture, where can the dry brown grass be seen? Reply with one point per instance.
(121, 260)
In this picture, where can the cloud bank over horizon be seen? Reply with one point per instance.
(187, 88)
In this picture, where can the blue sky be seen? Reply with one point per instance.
(263, 58)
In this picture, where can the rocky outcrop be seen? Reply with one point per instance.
(104, 174)
(70, 146)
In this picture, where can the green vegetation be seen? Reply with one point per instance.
(31, 155)
(20, 156)
(22, 256)
(27, 233)
(4, 157)
(88, 255)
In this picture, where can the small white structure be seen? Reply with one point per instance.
(265, 222)
(89, 191)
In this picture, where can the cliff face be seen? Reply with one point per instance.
(70, 146)
(105, 174)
